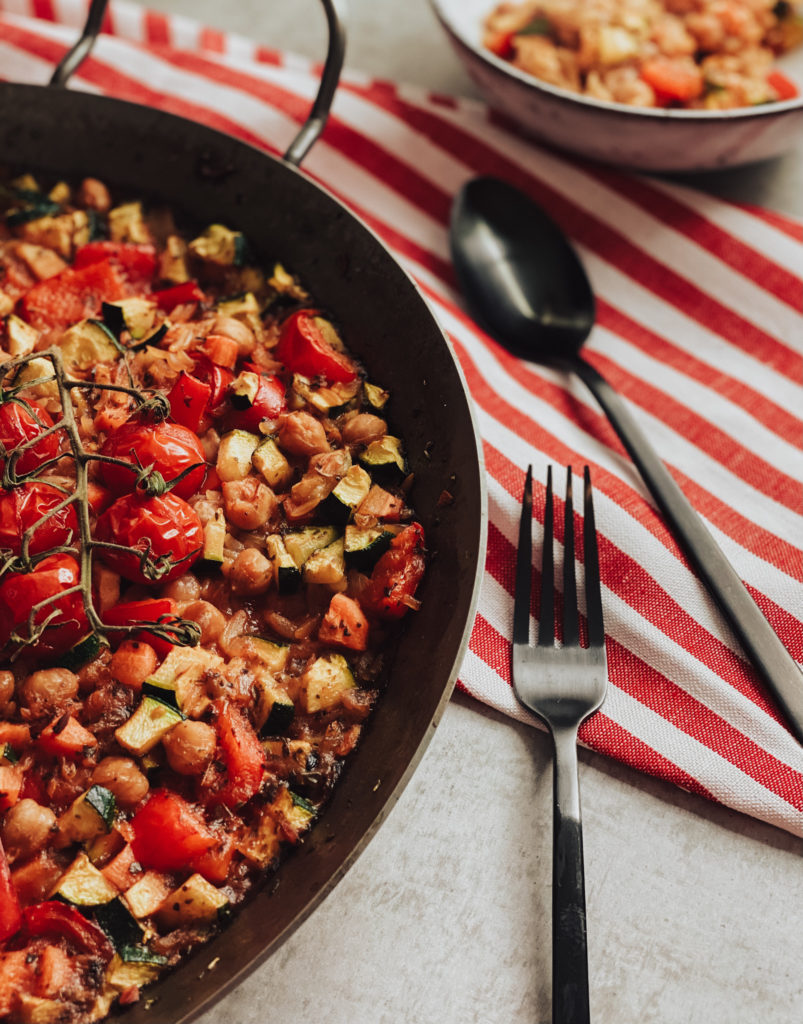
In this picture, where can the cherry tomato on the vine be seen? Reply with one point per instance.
(22, 507)
(169, 448)
(164, 526)
(65, 616)
(21, 423)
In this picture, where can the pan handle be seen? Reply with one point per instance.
(317, 117)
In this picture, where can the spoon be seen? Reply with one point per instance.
(524, 284)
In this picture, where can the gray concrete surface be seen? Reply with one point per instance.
(694, 911)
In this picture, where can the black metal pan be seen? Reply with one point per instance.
(206, 175)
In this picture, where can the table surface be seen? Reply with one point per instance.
(446, 916)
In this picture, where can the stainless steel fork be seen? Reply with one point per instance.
(563, 685)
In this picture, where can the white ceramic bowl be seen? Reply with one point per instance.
(635, 137)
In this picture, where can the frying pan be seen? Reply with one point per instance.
(205, 175)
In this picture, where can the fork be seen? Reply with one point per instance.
(563, 686)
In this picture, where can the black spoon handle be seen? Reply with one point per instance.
(570, 1004)
(777, 667)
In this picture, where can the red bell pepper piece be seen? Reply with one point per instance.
(785, 87)
(304, 349)
(10, 910)
(189, 399)
(178, 295)
(168, 832)
(68, 740)
(138, 262)
(241, 752)
(397, 574)
(10, 785)
(62, 920)
(73, 295)
(500, 43)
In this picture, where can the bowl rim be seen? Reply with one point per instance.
(656, 114)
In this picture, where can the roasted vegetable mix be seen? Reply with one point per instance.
(205, 549)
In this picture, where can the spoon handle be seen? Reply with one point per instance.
(776, 666)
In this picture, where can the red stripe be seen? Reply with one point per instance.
(43, 9)
(773, 416)
(729, 249)
(787, 225)
(613, 246)
(266, 55)
(749, 535)
(212, 39)
(157, 29)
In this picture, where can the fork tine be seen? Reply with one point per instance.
(521, 597)
(571, 620)
(596, 626)
(546, 615)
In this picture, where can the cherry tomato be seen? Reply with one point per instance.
(189, 399)
(304, 349)
(169, 448)
(60, 920)
(21, 591)
(165, 526)
(74, 295)
(397, 574)
(217, 377)
(138, 262)
(19, 424)
(267, 400)
(22, 507)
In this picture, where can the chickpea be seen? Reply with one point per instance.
(363, 428)
(184, 588)
(251, 573)
(123, 778)
(248, 503)
(132, 663)
(27, 828)
(211, 620)
(94, 195)
(190, 746)
(6, 687)
(49, 690)
(301, 434)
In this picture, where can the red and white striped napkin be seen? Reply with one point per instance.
(699, 327)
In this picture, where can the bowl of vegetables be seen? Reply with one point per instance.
(654, 85)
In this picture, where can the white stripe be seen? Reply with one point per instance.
(17, 66)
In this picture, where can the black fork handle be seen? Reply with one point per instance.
(762, 645)
(315, 122)
(570, 1004)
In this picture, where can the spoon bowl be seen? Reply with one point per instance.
(523, 282)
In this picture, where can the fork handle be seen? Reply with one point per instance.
(569, 950)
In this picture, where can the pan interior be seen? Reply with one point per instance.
(205, 176)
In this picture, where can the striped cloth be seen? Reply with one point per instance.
(699, 327)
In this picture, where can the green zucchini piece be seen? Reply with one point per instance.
(364, 546)
(133, 315)
(83, 885)
(152, 720)
(120, 925)
(220, 245)
(9, 754)
(271, 463)
(87, 343)
(347, 496)
(103, 801)
(21, 338)
(163, 691)
(40, 207)
(384, 458)
(243, 390)
(133, 954)
(195, 902)
(286, 573)
(83, 652)
(280, 717)
(122, 975)
(302, 543)
(215, 538)
(324, 683)
(269, 653)
(328, 565)
(239, 306)
(375, 397)
(234, 454)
